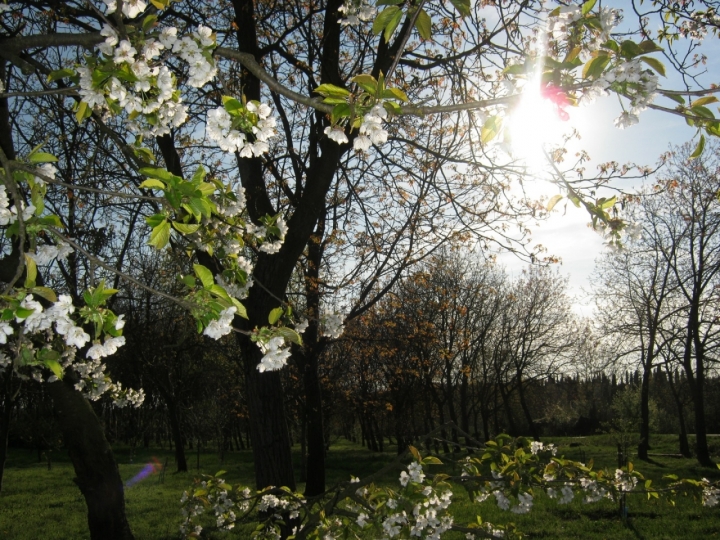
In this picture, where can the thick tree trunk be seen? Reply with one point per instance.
(97, 473)
(8, 404)
(644, 445)
(180, 458)
(268, 427)
(526, 410)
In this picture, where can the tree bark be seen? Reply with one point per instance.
(97, 472)
(180, 458)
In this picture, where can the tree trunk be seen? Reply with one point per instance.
(180, 458)
(97, 473)
(5, 414)
(644, 445)
(526, 410)
(268, 427)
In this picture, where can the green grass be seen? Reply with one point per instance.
(39, 503)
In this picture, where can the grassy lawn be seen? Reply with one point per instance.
(39, 503)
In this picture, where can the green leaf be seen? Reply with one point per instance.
(82, 112)
(60, 74)
(55, 367)
(160, 235)
(149, 22)
(675, 97)
(45, 292)
(161, 174)
(288, 334)
(699, 110)
(218, 291)
(609, 203)
(415, 453)
(330, 90)
(30, 271)
(241, 311)
(155, 220)
(340, 111)
(384, 18)
(388, 2)
(275, 315)
(704, 101)
(184, 228)
(395, 93)
(392, 25)
(232, 105)
(152, 183)
(424, 25)
(366, 82)
(630, 49)
(553, 201)
(595, 67)
(462, 6)
(699, 148)
(23, 313)
(654, 63)
(189, 281)
(204, 275)
(431, 460)
(199, 175)
(490, 129)
(587, 7)
(649, 46)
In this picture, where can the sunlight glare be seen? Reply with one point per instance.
(536, 126)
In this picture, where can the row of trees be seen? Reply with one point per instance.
(658, 298)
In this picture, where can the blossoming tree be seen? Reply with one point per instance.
(240, 133)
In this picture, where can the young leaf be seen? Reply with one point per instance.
(330, 90)
(553, 201)
(30, 272)
(275, 315)
(41, 157)
(654, 63)
(490, 129)
(424, 25)
(204, 275)
(55, 367)
(152, 183)
(463, 6)
(45, 292)
(587, 7)
(160, 235)
(184, 228)
(392, 25)
(594, 68)
(699, 148)
(60, 74)
(384, 18)
(704, 101)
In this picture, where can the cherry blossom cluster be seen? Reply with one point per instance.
(9, 214)
(355, 12)
(371, 130)
(139, 83)
(276, 352)
(230, 126)
(696, 27)
(333, 325)
(32, 320)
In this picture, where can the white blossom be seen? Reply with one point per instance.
(275, 355)
(221, 326)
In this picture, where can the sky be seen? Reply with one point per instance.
(566, 233)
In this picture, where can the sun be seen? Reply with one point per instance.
(537, 124)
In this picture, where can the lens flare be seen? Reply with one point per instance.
(148, 470)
